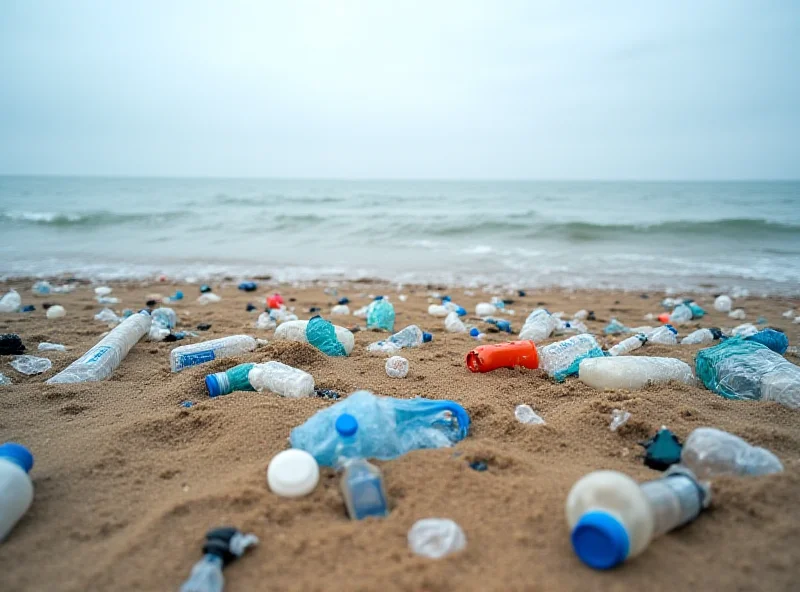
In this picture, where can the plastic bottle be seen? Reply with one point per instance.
(738, 314)
(681, 314)
(362, 482)
(453, 324)
(628, 345)
(702, 336)
(614, 327)
(234, 379)
(206, 351)
(10, 302)
(16, 488)
(612, 518)
(380, 315)
(164, 317)
(485, 309)
(100, 361)
(665, 335)
(281, 379)
(438, 310)
(561, 359)
(296, 331)
(723, 303)
(340, 310)
(222, 546)
(539, 325)
(435, 538)
(56, 312)
(633, 372)
(486, 358)
(741, 369)
(411, 336)
(710, 452)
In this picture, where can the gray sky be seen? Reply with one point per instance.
(379, 89)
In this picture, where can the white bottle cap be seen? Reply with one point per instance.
(293, 473)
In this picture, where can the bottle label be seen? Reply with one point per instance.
(195, 358)
(94, 355)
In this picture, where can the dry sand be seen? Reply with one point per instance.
(127, 481)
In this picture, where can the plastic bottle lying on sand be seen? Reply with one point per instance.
(361, 482)
(453, 324)
(539, 325)
(702, 336)
(438, 310)
(411, 336)
(206, 351)
(296, 331)
(666, 335)
(681, 314)
(710, 452)
(612, 518)
(281, 379)
(233, 379)
(633, 372)
(561, 359)
(486, 358)
(16, 488)
(628, 345)
(222, 546)
(485, 309)
(100, 361)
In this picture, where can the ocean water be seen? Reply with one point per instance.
(631, 235)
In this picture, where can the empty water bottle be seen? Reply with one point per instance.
(10, 302)
(234, 379)
(485, 309)
(298, 331)
(362, 482)
(380, 315)
(702, 336)
(628, 345)
(741, 369)
(723, 303)
(539, 325)
(281, 379)
(561, 359)
(100, 361)
(411, 336)
(435, 538)
(388, 427)
(438, 310)
(681, 314)
(222, 546)
(206, 351)
(633, 372)
(665, 335)
(710, 452)
(453, 324)
(612, 518)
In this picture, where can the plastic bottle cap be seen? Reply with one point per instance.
(426, 337)
(346, 425)
(474, 332)
(600, 540)
(292, 473)
(17, 454)
(378, 297)
(215, 389)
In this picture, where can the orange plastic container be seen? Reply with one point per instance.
(486, 358)
(663, 317)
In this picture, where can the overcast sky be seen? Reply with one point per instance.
(379, 89)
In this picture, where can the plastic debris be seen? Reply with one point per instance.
(435, 538)
(222, 546)
(538, 326)
(248, 286)
(702, 336)
(186, 356)
(723, 303)
(388, 427)
(11, 301)
(618, 419)
(486, 358)
(744, 330)
(46, 346)
(208, 298)
(4, 380)
(628, 345)
(292, 473)
(789, 314)
(275, 301)
(340, 310)
(328, 394)
(738, 314)
(322, 335)
(31, 365)
(479, 465)
(203, 326)
(665, 335)
(164, 317)
(205, 289)
(11, 344)
(662, 450)
(632, 372)
(525, 414)
(485, 309)
(281, 379)
(710, 452)
(563, 358)
(265, 322)
(107, 316)
(453, 324)
(380, 315)
(396, 367)
(303, 331)
(614, 327)
(775, 340)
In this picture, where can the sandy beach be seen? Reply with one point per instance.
(127, 481)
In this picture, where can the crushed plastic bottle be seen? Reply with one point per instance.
(411, 336)
(723, 303)
(186, 356)
(298, 331)
(741, 369)
(775, 340)
(664, 335)
(744, 330)
(380, 315)
(396, 367)
(628, 345)
(614, 327)
(562, 359)
(164, 317)
(222, 546)
(525, 414)
(633, 372)
(362, 482)
(31, 365)
(435, 538)
(11, 301)
(101, 360)
(107, 316)
(485, 309)
(265, 322)
(618, 419)
(46, 346)
(697, 311)
(681, 314)
(56, 312)
(738, 314)
(612, 518)
(710, 452)
(453, 324)
(281, 379)
(538, 326)
(388, 427)
(4, 380)
(702, 336)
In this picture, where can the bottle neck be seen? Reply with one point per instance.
(675, 500)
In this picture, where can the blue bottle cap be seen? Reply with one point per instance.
(213, 386)
(17, 454)
(426, 337)
(671, 328)
(474, 332)
(461, 311)
(446, 298)
(378, 297)
(600, 540)
(178, 295)
(346, 425)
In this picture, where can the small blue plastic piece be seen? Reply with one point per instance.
(346, 425)
(187, 404)
(461, 311)
(17, 454)
(248, 286)
(205, 288)
(250, 306)
(27, 308)
(775, 340)
(446, 298)
(178, 295)
(344, 300)
(426, 337)
(474, 332)
(671, 328)
(600, 540)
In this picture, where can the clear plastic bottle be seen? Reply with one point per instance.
(557, 358)
(362, 482)
(100, 361)
(681, 314)
(702, 336)
(710, 452)
(628, 345)
(206, 351)
(485, 309)
(723, 303)
(438, 310)
(281, 379)
(411, 336)
(612, 518)
(340, 310)
(665, 335)
(453, 324)
(633, 372)
(539, 325)
(16, 488)
(11, 301)
(296, 331)
(164, 318)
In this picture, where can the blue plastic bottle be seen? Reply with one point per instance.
(362, 482)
